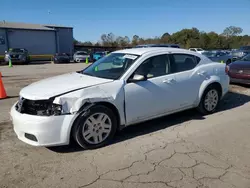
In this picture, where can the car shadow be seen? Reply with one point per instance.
(230, 101)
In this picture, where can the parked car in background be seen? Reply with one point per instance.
(80, 56)
(239, 71)
(198, 50)
(61, 58)
(158, 45)
(218, 56)
(241, 52)
(98, 55)
(92, 104)
(17, 55)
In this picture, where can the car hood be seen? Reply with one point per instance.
(58, 85)
(240, 64)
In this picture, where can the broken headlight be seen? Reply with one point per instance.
(39, 107)
(56, 109)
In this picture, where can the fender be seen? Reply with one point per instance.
(205, 84)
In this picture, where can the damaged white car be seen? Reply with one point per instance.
(127, 87)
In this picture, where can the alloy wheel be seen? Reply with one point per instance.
(211, 100)
(96, 128)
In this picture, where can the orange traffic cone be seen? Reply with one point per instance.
(3, 94)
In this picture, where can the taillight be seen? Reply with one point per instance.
(227, 69)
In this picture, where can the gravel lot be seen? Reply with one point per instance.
(181, 150)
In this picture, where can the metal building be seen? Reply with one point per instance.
(37, 39)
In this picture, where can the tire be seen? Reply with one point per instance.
(26, 62)
(203, 108)
(83, 123)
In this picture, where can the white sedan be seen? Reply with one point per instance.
(198, 50)
(92, 104)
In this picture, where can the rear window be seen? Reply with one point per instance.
(82, 53)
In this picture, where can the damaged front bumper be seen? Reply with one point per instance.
(42, 130)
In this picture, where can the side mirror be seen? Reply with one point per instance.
(137, 78)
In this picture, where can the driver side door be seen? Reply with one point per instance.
(154, 96)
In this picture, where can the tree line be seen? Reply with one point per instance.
(230, 38)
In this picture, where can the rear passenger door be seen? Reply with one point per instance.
(188, 79)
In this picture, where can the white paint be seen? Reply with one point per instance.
(133, 57)
(143, 100)
(57, 85)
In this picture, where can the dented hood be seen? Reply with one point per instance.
(58, 85)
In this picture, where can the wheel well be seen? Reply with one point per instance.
(113, 108)
(217, 86)
(88, 105)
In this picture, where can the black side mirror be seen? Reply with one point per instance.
(137, 78)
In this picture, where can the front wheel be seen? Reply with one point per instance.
(95, 128)
(210, 100)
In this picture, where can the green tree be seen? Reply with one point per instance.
(232, 31)
(135, 40)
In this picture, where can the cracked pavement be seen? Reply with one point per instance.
(181, 150)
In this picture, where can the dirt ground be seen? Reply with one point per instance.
(181, 150)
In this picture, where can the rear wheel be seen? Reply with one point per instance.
(210, 100)
(95, 128)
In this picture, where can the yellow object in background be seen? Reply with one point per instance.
(10, 63)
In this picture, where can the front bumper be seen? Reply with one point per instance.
(47, 130)
(15, 60)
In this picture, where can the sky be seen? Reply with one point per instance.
(145, 18)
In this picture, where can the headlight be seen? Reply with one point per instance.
(40, 107)
(56, 109)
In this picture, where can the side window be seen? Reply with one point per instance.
(154, 67)
(193, 50)
(183, 62)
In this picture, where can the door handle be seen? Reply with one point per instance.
(168, 81)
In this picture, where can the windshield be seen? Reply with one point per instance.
(199, 49)
(16, 50)
(246, 58)
(112, 66)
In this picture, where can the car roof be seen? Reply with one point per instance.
(141, 51)
(146, 51)
(157, 45)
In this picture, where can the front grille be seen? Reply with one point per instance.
(32, 107)
(14, 56)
